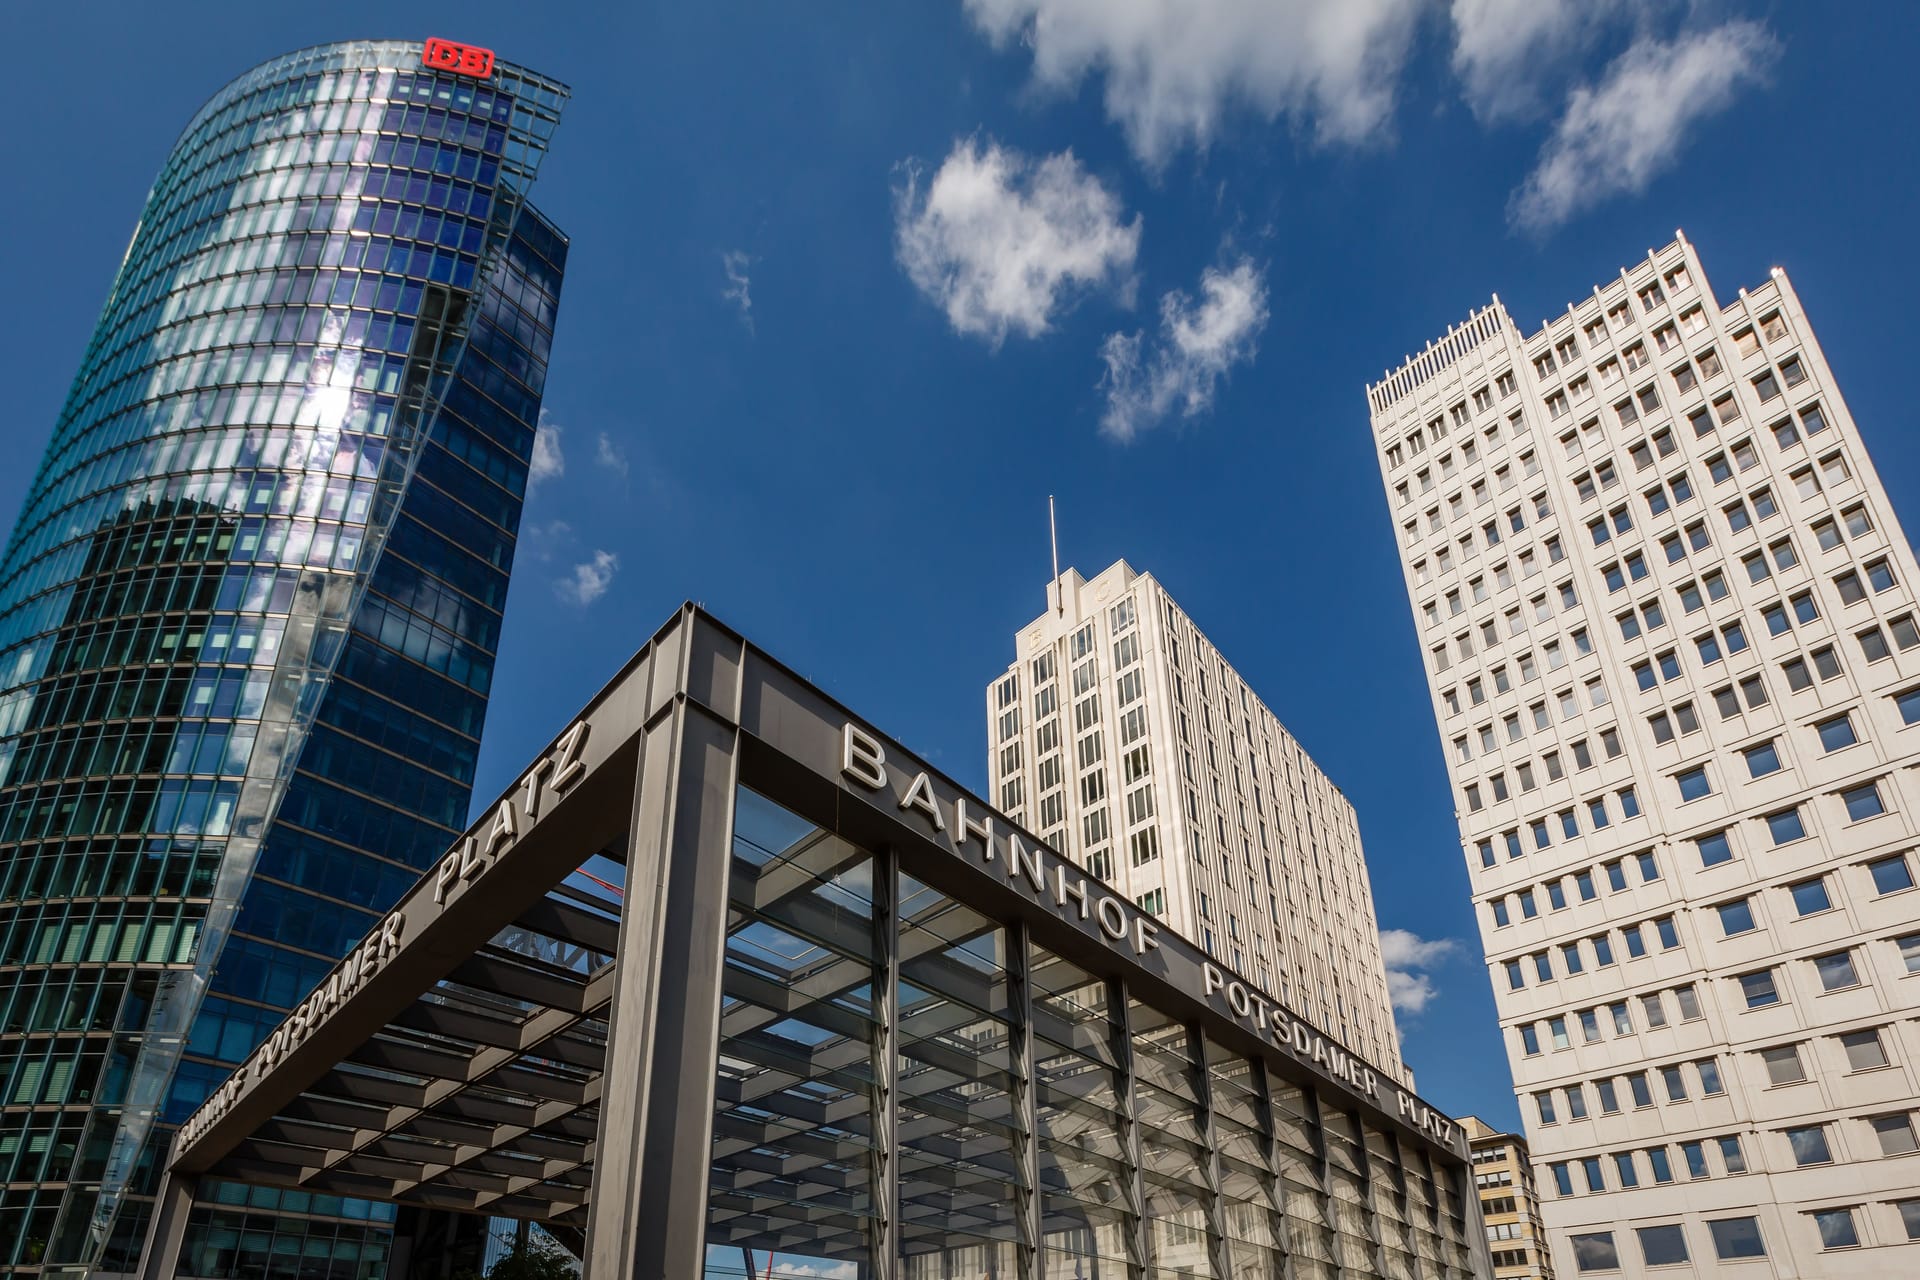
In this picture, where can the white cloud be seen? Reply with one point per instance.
(739, 285)
(1410, 992)
(548, 462)
(1505, 50)
(1618, 135)
(1405, 949)
(589, 579)
(609, 456)
(1406, 955)
(1001, 242)
(1196, 345)
(1174, 68)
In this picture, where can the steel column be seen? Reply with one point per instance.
(167, 1230)
(1026, 1103)
(1210, 1136)
(1276, 1170)
(1137, 1244)
(884, 1245)
(648, 1216)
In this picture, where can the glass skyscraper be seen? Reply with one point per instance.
(249, 610)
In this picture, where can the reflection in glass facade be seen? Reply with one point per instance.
(248, 615)
(901, 1075)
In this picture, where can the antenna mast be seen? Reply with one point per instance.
(1053, 530)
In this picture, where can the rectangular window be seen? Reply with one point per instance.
(1895, 1134)
(1865, 1050)
(1810, 897)
(1836, 971)
(1809, 1145)
(1891, 875)
(1863, 802)
(1736, 1238)
(1783, 1065)
(1758, 989)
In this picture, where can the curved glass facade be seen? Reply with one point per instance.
(249, 610)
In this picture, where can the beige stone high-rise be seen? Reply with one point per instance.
(1668, 616)
(1503, 1178)
(1124, 739)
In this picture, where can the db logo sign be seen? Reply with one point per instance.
(461, 59)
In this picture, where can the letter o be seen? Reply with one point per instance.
(1113, 919)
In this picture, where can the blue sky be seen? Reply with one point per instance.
(854, 287)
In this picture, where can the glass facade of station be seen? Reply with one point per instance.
(857, 1023)
(1043, 1122)
(249, 610)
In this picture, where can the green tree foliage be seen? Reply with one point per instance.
(535, 1258)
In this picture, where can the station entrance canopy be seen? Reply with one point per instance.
(838, 1009)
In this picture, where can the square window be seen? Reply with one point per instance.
(1714, 849)
(1762, 760)
(1810, 897)
(1865, 1050)
(1863, 802)
(1891, 875)
(1693, 784)
(1836, 971)
(1663, 1245)
(1809, 1145)
(1895, 1134)
(1909, 705)
(1736, 917)
(1783, 1064)
(1595, 1251)
(1786, 826)
(1735, 1238)
(1837, 1229)
(1759, 990)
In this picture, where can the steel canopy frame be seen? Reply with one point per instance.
(507, 1044)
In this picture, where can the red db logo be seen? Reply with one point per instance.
(461, 59)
